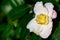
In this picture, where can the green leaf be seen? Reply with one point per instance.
(35, 37)
(2, 27)
(18, 12)
(8, 5)
(23, 22)
(17, 31)
(19, 2)
(7, 30)
(56, 34)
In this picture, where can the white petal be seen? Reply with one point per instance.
(50, 7)
(46, 31)
(39, 8)
(33, 26)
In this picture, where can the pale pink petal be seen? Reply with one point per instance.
(49, 7)
(54, 14)
(33, 26)
(46, 31)
(39, 8)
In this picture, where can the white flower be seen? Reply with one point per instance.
(42, 23)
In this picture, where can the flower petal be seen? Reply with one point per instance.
(33, 26)
(45, 33)
(50, 7)
(54, 14)
(39, 8)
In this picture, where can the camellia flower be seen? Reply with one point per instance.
(42, 23)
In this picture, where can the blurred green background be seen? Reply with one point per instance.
(14, 16)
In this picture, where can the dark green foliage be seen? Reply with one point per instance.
(56, 34)
(18, 12)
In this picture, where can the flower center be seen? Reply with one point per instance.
(42, 19)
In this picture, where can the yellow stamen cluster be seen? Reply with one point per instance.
(42, 19)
